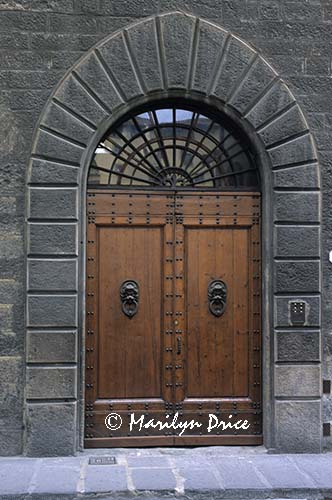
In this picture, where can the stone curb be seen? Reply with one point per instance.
(181, 474)
(291, 494)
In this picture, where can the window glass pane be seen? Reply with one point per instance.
(165, 115)
(183, 115)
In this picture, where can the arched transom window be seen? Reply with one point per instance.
(177, 145)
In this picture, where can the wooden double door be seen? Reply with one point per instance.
(173, 318)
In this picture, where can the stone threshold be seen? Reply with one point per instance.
(153, 473)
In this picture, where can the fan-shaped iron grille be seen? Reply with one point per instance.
(173, 146)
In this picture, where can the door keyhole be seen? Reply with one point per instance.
(179, 345)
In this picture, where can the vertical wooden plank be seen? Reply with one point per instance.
(167, 326)
(179, 316)
(91, 361)
(224, 325)
(242, 289)
(206, 268)
(256, 306)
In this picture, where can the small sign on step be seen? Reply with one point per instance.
(102, 461)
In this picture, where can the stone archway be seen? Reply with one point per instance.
(171, 53)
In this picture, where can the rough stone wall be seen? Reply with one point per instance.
(41, 39)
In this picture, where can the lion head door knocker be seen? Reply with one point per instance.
(129, 294)
(217, 295)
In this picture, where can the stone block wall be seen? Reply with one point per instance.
(39, 41)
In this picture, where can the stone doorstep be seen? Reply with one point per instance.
(212, 473)
(155, 496)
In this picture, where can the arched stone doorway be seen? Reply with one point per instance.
(173, 55)
(173, 291)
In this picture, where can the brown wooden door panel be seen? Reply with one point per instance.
(130, 348)
(217, 346)
(173, 355)
(138, 203)
(217, 205)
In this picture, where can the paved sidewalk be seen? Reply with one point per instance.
(213, 472)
